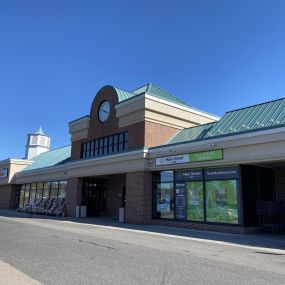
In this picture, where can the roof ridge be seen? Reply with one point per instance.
(254, 105)
(55, 149)
(140, 88)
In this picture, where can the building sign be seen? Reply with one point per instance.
(180, 201)
(222, 173)
(191, 157)
(189, 175)
(3, 172)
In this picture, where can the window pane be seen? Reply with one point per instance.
(121, 147)
(22, 196)
(54, 189)
(62, 189)
(33, 192)
(221, 201)
(126, 136)
(164, 200)
(121, 137)
(27, 194)
(40, 187)
(163, 176)
(195, 201)
(46, 190)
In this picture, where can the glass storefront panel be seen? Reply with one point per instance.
(165, 200)
(163, 176)
(62, 189)
(22, 196)
(53, 189)
(33, 192)
(27, 194)
(195, 201)
(221, 201)
(46, 189)
(40, 187)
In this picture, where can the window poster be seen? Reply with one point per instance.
(164, 204)
(221, 201)
(180, 201)
(195, 201)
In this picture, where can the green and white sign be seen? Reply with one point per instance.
(190, 157)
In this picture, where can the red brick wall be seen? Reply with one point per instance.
(6, 196)
(138, 197)
(73, 195)
(115, 187)
(156, 134)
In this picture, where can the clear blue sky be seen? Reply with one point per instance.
(55, 55)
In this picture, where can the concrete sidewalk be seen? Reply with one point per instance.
(254, 240)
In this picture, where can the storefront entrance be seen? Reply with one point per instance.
(94, 196)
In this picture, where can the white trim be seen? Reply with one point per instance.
(188, 109)
(198, 112)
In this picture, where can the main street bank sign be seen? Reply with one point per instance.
(190, 157)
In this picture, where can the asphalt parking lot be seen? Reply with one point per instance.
(41, 250)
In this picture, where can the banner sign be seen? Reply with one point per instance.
(222, 173)
(180, 201)
(189, 175)
(191, 157)
(3, 172)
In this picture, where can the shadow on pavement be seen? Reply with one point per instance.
(256, 240)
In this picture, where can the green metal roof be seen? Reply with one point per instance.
(262, 116)
(191, 134)
(123, 95)
(268, 115)
(50, 158)
(159, 93)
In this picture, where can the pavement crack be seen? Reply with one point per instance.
(97, 244)
(164, 275)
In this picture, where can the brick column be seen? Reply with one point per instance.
(73, 195)
(138, 197)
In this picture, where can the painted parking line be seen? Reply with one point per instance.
(12, 276)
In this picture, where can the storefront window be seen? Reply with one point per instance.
(33, 192)
(195, 201)
(40, 187)
(53, 189)
(22, 196)
(62, 189)
(221, 201)
(164, 201)
(27, 194)
(46, 189)
(202, 195)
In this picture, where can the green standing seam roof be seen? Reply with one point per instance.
(191, 134)
(262, 116)
(159, 93)
(268, 115)
(50, 158)
(123, 95)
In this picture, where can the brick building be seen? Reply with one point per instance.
(159, 159)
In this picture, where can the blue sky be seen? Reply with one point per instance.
(55, 55)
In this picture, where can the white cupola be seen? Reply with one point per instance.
(37, 143)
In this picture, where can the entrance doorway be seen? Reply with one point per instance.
(94, 196)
